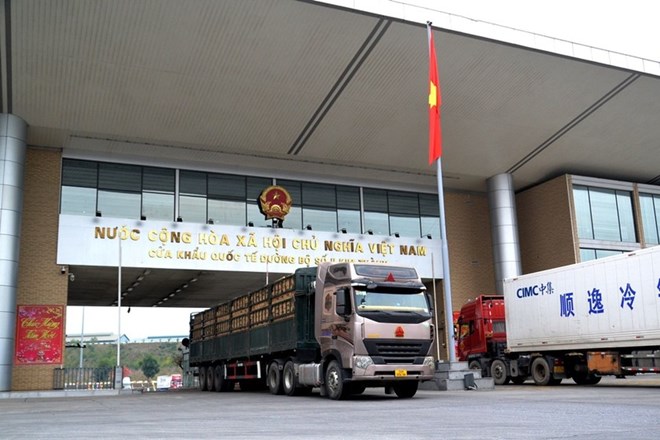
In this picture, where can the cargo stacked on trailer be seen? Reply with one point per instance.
(341, 327)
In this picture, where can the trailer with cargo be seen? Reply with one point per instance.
(581, 321)
(339, 327)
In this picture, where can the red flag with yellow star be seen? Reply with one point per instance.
(435, 101)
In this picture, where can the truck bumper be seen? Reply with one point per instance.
(365, 370)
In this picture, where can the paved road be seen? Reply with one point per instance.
(614, 409)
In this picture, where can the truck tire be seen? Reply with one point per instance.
(210, 378)
(498, 372)
(405, 390)
(476, 365)
(357, 388)
(586, 379)
(275, 378)
(202, 379)
(334, 381)
(289, 381)
(219, 381)
(541, 372)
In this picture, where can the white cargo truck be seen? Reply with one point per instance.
(583, 321)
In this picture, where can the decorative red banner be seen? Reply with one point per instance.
(39, 335)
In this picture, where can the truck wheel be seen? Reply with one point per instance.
(541, 372)
(275, 378)
(358, 388)
(202, 379)
(498, 372)
(219, 381)
(405, 390)
(210, 378)
(334, 381)
(586, 379)
(289, 381)
(476, 365)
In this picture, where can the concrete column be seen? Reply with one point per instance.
(13, 135)
(504, 228)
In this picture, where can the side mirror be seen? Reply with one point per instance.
(429, 299)
(343, 302)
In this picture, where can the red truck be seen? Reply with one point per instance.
(482, 337)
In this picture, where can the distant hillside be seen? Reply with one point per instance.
(131, 355)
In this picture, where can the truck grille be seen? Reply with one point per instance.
(395, 351)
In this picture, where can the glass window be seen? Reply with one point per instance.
(192, 183)
(192, 196)
(319, 206)
(316, 194)
(119, 204)
(293, 220)
(79, 173)
(255, 185)
(119, 193)
(604, 214)
(158, 179)
(429, 209)
(76, 200)
(605, 217)
(118, 177)
(192, 209)
(226, 187)
(404, 213)
(650, 208)
(349, 220)
(376, 219)
(79, 181)
(593, 254)
(158, 206)
(405, 226)
(377, 223)
(227, 212)
(320, 219)
(255, 216)
(626, 221)
(158, 193)
(583, 212)
(348, 209)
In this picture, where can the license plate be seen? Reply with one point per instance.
(400, 373)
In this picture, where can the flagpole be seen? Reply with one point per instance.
(446, 278)
(435, 153)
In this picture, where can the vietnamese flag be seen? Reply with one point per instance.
(435, 101)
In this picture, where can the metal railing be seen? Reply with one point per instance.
(84, 378)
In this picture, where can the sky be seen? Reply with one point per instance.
(627, 27)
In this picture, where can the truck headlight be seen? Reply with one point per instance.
(363, 362)
(429, 361)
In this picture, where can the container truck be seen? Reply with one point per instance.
(339, 327)
(581, 321)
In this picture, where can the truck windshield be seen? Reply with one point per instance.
(390, 302)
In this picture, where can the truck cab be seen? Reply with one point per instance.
(375, 328)
(482, 332)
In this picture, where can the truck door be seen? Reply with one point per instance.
(336, 325)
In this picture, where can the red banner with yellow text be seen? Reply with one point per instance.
(39, 334)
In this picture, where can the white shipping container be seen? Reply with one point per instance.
(612, 302)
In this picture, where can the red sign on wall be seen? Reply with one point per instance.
(39, 337)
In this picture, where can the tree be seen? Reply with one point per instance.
(149, 366)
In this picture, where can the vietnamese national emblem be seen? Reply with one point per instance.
(275, 202)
